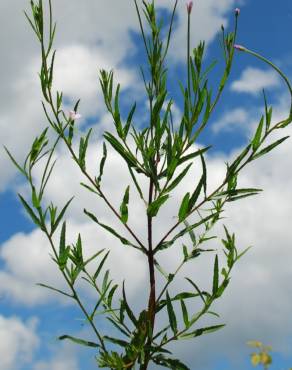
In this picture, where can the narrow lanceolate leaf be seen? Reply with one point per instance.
(100, 266)
(201, 331)
(154, 207)
(102, 162)
(117, 341)
(170, 363)
(178, 179)
(31, 213)
(128, 157)
(169, 243)
(128, 309)
(79, 341)
(14, 162)
(191, 234)
(129, 121)
(171, 314)
(54, 289)
(110, 230)
(62, 245)
(200, 293)
(111, 294)
(60, 216)
(184, 207)
(270, 147)
(83, 149)
(196, 193)
(204, 176)
(215, 276)
(257, 137)
(185, 313)
(124, 206)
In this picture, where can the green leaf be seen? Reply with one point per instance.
(79, 341)
(105, 283)
(83, 148)
(128, 157)
(54, 289)
(97, 272)
(128, 309)
(269, 147)
(62, 245)
(237, 161)
(124, 206)
(14, 162)
(233, 192)
(184, 207)
(191, 234)
(204, 176)
(171, 314)
(116, 115)
(119, 327)
(59, 218)
(171, 363)
(200, 293)
(117, 341)
(102, 162)
(196, 193)
(178, 179)
(185, 313)
(153, 207)
(257, 137)
(201, 331)
(30, 212)
(110, 230)
(129, 120)
(93, 257)
(187, 229)
(111, 294)
(215, 276)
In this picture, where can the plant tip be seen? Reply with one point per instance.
(189, 7)
(237, 12)
(239, 47)
(73, 115)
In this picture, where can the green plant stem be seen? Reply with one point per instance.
(152, 293)
(289, 119)
(188, 59)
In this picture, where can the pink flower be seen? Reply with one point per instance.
(189, 7)
(237, 12)
(73, 115)
(239, 47)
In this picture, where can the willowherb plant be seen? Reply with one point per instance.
(160, 155)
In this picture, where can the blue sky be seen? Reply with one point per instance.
(103, 34)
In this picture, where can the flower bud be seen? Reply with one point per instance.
(189, 7)
(239, 47)
(237, 12)
(73, 115)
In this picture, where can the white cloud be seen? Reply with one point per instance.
(254, 80)
(233, 120)
(18, 341)
(63, 358)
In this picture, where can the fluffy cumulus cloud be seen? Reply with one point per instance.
(18, 342)
(254, 80)
(63, 358)
(235, 119)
